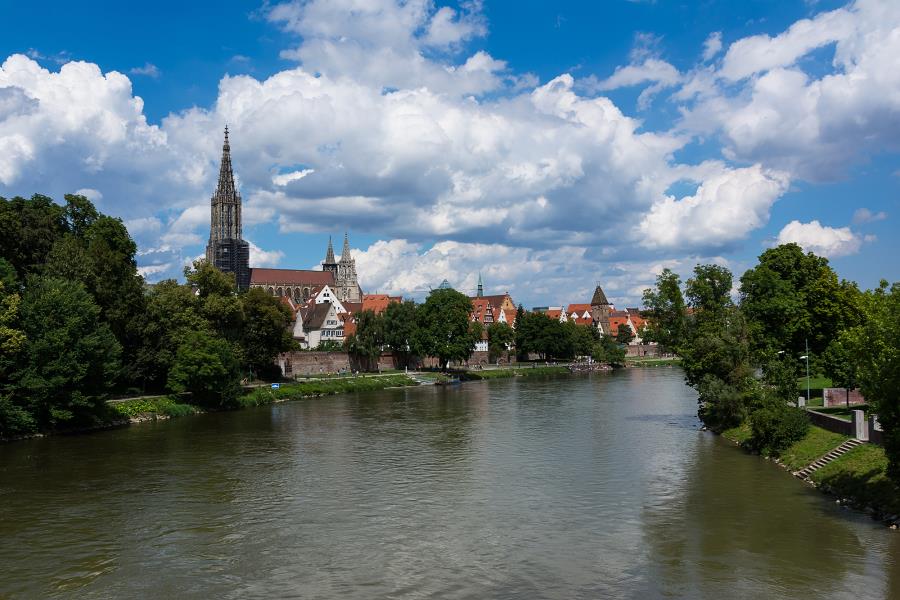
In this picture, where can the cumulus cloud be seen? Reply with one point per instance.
(712, 46)
(769, 110)
(864, 215)
(825, 241)
(148, 70)
(264, 258)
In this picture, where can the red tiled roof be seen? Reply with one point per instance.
(510, 316)
(584, 321)
(290, 277)
(554, 313)
(377, 303)
(578, 308)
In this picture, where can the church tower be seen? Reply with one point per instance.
(345, 274)
(480, 292)
(330, 264)
(600, 309)
(227, 249)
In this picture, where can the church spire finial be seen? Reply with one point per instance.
(480, 286)
(329, 255)
(345, 253)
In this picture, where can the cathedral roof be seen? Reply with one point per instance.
(290, 277)
(329, 255)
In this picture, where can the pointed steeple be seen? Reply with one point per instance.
(345, 253)
(329, 255)
(225, 188)
(480, 287)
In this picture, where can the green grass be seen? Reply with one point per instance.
(815, 383)
(513, 372)
(842, 412)
(860, 475)
(644, 361)
(323, 387)
(739, 435)
(817, 442)
(163, 405)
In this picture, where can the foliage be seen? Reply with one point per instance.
(607, 351)
(876, 344)
(443, 326)
(400, 328)
(624, 334)
(501, 337)
(583, 338)
(28, 231)
(163, 405)
(205, 366)
(323, 387)
(841, 364)
(544, 336)
(775, 426)
(665, 311)
(70, 357)
(369, 338)
(266, 331)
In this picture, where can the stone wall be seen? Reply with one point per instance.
(838, 397)
(642, 350)
(299, 364)
(830, 423)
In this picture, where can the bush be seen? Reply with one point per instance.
(775, 427)
(722, 406)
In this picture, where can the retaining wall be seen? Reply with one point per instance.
(830, 423)
(838, 397)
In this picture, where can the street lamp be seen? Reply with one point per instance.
(806, 356)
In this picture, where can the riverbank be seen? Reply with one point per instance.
(858, 479)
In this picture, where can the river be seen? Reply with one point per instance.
(599, 486)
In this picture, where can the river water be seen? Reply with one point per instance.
(596, 486)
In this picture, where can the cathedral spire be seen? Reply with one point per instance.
(480, 287)
(345, 253)
(225, 188)
(329, 255)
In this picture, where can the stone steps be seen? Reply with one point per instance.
(820, 462)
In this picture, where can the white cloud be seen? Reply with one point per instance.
(822, 240)
(864, 215)
(651, 70)
(286, 178)
(91, 194)
(727, 206)
(264, 258)
(712, 46)
(148, 70)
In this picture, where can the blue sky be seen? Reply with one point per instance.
(546, 145)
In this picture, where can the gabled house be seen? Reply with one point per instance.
(317, 323)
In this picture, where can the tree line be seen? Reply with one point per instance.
(78, 323)
(442, 327)
(745, 357)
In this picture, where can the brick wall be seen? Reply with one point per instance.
(838, 397)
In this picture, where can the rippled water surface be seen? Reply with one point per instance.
(575, 487)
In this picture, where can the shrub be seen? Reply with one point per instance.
(775, 427)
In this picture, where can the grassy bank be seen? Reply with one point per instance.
(857, 478)
(152, 407)
(323, 387)
(513, 372)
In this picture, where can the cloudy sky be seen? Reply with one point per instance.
(546, 145)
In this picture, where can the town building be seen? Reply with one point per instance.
(226, 249)
(600, 309)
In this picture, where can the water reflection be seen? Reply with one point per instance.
(590, 486)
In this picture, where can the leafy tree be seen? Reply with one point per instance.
(775, 426)
(206, 367)
(842, 364)
(70, 355)
(709, 291)
(501, 338)
(400, 328)
(607, 351)
(366, 344)
(172, 310)
(624, 335)
(14, 419)
(876, 343)
(219, 303)
(443, 326)
(665, 312)
(582, 338)
(266, 330)
(28, 230)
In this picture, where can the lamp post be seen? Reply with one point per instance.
(806, 356)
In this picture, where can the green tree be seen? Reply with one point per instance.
(443, 326)
(266, 332)
(14, 418)
(624, 334)
(607, 351)
(368, 340)
(206, 367)
(501, 338)
(665, 312)
(218, 300)
(28, 231)
(842, 364)
(70, 354)
(172, 310)
(582, 338)
(400, 329)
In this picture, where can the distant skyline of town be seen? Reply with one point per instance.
(544, 148)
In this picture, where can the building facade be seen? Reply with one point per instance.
(346, 285)
(226, 249)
